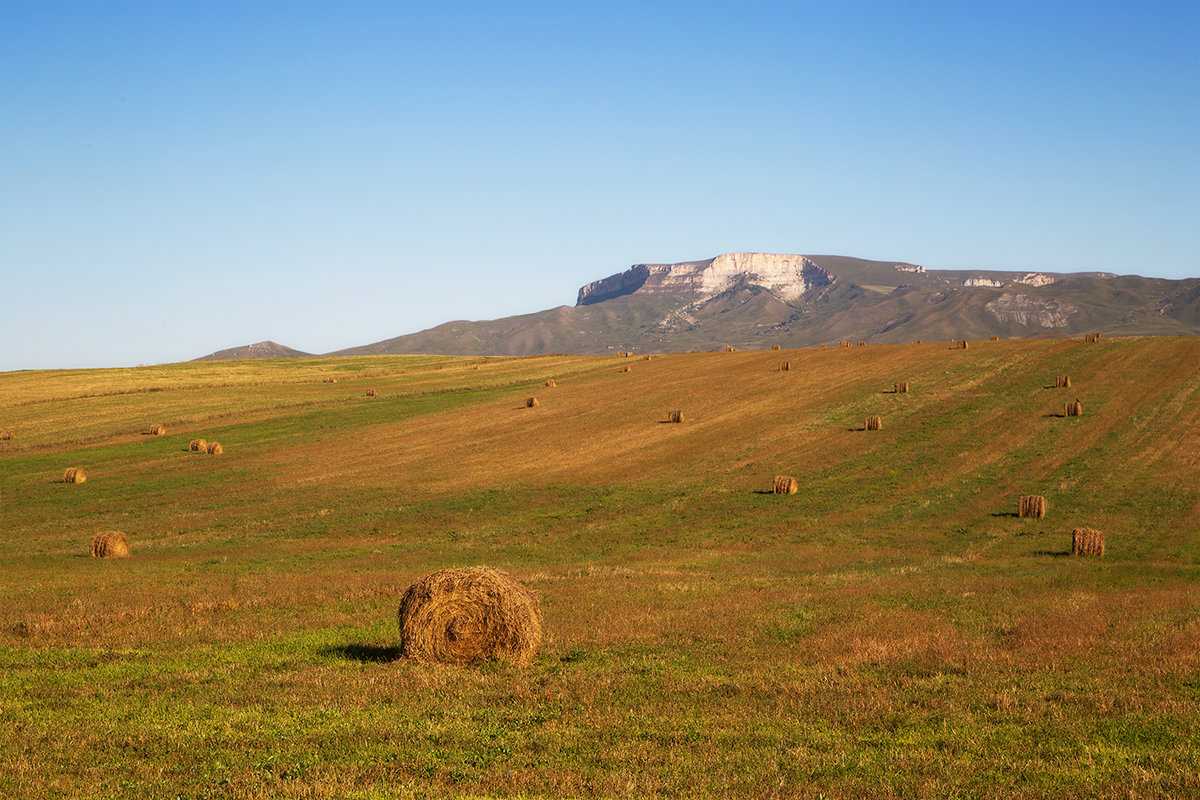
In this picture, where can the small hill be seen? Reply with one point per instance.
(256, 350)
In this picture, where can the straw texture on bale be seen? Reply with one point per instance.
(459, 616)
(1091, 337)
(74, 475)
(785, 366)
(843, 343)
(6, 435)
(874, 423)
(1062, 382)
(158, 430)
(198, 446)
(532, 402)
(550, 384)
(862, 343)
(372, 393)
(675, 416)
(1074, 409)
(1031, 505)
(728, 348)
(964, 345)
(786, 484)
(110, 544)
(214, 449)
(1087, 542)
(900, 388)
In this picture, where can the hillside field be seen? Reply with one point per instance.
(891, 630)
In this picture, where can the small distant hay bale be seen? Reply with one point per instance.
(372, 393)
(110, 544)
(1031, 505)
(729, 348)
(158, 430)
(1091, 337)
(785, 366)
(214, 449)
(919, 341)
(993, 338)
(624, 368)
(532, 402)
(1087, 542)
(550, 384)
(74, 475)
(647, 357)
(843, 343)
(786, 484)
(1074, 409)
(964, 345)
(874, 423)
(329, 380)
(775, 347)
(900, 388)
(675, 416)
(620, 354)
(198, 446)
(6, 435)
(1062, 382)
(461, 616)
(862, 343)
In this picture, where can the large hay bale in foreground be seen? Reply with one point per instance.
(675, 416)
(786, 484)
(874, 423)
(1087, 542)
(214, 449)
(198, 446)
(1031, 505)
(110, 544)
(158, 430)
(74, 475)
(458, 616)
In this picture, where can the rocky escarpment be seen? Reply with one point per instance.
(789, 277)
(1032, 312)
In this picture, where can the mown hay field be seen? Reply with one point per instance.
(893, 629)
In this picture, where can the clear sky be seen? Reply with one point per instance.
(181, 177)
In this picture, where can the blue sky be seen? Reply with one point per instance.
(181, 177)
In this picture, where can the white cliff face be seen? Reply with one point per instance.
(1034, 279)
(787, 276)
(1032, 312)
(982, 282)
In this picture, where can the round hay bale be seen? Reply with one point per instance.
(110, 544)
(214, 449)
(6, 435)
(198, 446)
(675, 416)
(459, 616)
(775, 347)
(1031, 505)
(532, 402)
(550, 384)
(372, 393)
(1087, 542)
(786, 484)
(74, 475)
(874, 424)
(158, 430)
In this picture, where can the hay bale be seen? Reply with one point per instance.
(862, 343)
(785, 366)
(1031, 505)
(1087, 542)
(6, 435)
(993, 338)
(198, 446)
(372, 393)
(158, 430)
(919, 341)
(214, 449)
(1074, 409)
(1062, 382)
(647, 357)
(110, 544)
(843, 343)
(532, 402)
(74, 475)
(329, 380)
(675, 416)
(964, 344)
(550, 384)
(874, 423)
(786, 484)
(900, 388)
(775, 347)
(459, 616)
(728, 348)
(624, 368)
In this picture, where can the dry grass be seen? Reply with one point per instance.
(1062, 382)
(460, 616)
(1031, 505)
(531, 402)
(874, 423)
(1074, 409)
(1087, 542)
(675, 416)
(110, 544)
(74, 475)
(785, 484)
(198, 446)
(214, 449)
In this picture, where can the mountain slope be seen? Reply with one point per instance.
(257, 350)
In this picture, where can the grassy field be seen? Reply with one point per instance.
(892, 630)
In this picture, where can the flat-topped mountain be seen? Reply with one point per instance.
(256, 350)
(755, 300)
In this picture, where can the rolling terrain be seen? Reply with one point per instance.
(892, 630)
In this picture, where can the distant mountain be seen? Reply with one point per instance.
(256, 350)
(755, 300)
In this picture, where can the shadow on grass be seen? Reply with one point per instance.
(367, 653)
(1053, 415)
(1006, 514)
(1054, 553)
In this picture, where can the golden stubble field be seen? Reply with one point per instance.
(891, 630)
